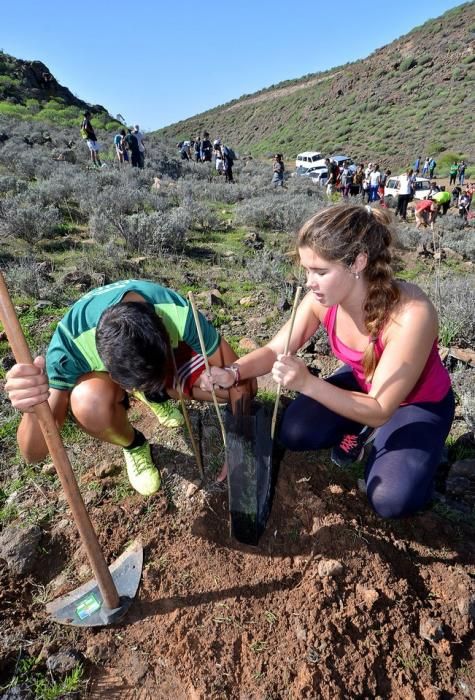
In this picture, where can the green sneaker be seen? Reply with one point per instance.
(167, 414)
(143, 474)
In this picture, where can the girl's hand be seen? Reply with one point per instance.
(27, 385)
(291, 372)
(217, 376)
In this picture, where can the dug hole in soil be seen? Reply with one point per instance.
(334, 603)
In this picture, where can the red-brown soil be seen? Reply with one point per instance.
(214, 619)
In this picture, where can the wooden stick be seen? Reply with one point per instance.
(286, 350)
(60, 457)
(186, 416)
(205, 357)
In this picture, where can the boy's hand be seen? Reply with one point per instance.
(27, 385)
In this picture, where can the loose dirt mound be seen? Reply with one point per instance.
(335, 602)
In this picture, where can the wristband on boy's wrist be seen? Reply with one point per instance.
(236, 373)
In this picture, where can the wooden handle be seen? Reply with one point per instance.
(286, 351)
(191, 299)
(186, 416)
(59, 456)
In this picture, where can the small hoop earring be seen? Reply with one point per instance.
(357, 275)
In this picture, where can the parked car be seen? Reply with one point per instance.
(341, 159)
(421, 190)
(319, 175)
(307, 159)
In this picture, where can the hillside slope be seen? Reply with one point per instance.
(413, 96)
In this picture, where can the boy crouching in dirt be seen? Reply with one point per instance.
(127, 338)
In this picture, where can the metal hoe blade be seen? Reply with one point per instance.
(85, 607)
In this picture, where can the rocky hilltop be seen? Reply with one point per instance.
(29, 89)
(413, 96)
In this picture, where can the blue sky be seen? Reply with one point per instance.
(158, 62)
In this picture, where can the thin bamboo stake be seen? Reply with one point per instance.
(186, 416)
(286, 350)
(205, 357)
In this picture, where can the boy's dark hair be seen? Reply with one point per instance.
(133, 344)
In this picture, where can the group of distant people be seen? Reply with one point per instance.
(130, 142)
(457, 170)
(367, 182)
(202, 150)
(428, 166)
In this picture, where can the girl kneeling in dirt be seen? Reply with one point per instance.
(392, 391)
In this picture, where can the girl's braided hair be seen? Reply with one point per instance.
(339, 234)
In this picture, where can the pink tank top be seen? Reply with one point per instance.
(432, 385)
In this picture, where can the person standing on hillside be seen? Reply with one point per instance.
(333, 176)
(118, 145)
(392, 393)
(425, 168)
(432, 167)
(206, 148)
(417, 164)
(133, 146)
(228, 162)
(218, 156)
(346, 179)
(88, 133)
(461, 172)
(278, 169)
(197, 149)
(374, 182)
(129, 338)
(404, 194)
(453, 172)
(357, 188)
(140, 140)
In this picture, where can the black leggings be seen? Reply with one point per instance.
(402, 202)
(404, 456)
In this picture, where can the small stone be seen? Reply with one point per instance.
(300, 632)
(84, 572)
(12, 498)
(95, 651)
(42, 304)
(330, 567)
(105, 468)
(59, 581)
(466, 607)
(192, 488)
(248, 344)
(135, 669)
(89, 497)
(369, 596)
(431, 629)
(48, 468)
(247, 301)
(63, 662)
(19, 547)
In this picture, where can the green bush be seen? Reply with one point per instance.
(6, 83)
(18, 111)
(407, 63)
(435, 147)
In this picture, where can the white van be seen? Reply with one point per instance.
(308, 159)
(421, 189)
